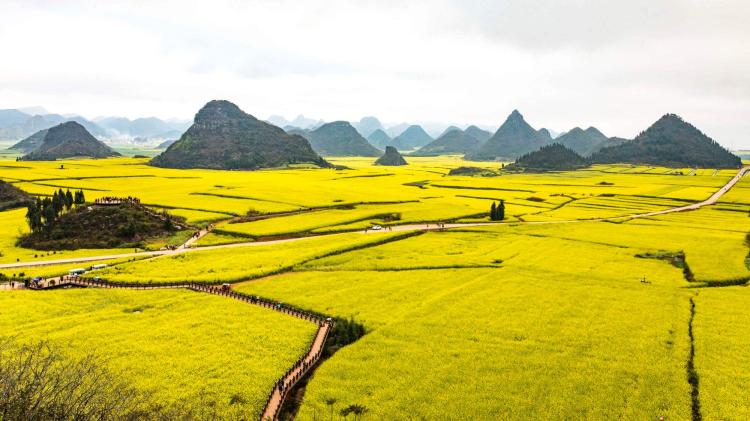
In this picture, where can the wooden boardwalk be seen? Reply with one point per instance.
(292, 376)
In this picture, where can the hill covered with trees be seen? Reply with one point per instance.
(30, 143)
(477, 133)
(670, 142)
(554, 157)
(583, 142)
(66, 222)
(224, 137)
(454, 141)
(411, 138)
(340, 138)
(66, 140)
(514, 138)
(391, 158)
(379, 139)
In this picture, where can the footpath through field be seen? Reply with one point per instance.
(285, 384)
(185, 248)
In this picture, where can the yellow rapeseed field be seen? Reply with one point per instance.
(568, 309)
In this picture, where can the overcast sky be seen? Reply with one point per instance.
(617, 65)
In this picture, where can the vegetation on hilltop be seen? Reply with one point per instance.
(554, 157)
(225, 137)
(472, 171)
(379, 139)
(583, 142)
(413, 137)
(30, 143)
(339, 138)
(63, 223)
(454, 141)
(670, 142)
(391, 158)
(514, 138)
(477, 133)
(68, 140)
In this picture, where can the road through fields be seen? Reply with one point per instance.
(407, 227)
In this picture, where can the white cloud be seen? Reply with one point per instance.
(617, 65)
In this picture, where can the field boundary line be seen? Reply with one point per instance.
(427, 226)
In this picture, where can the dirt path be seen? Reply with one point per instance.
(200, 234)
(397, 228)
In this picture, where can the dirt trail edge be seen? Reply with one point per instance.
(409, 227)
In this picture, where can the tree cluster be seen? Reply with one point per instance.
(42, 214)
(497, 212)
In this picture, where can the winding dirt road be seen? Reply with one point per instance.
(185, 248)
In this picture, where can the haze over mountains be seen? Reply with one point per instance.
(339, 138)
(453, 141)
(379, 139)
(413, 137)
(670, 141)
(16, 124)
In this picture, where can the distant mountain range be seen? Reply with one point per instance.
(367, 125)
(670, 141)
(379, 139)
(300, 122)
(224, 137)
(67, 140)
(583, 142)
(149, 127)
(413, 137)
(339, 138)
(16, 124)
(453, 141)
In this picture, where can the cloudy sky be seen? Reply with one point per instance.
(617, 65)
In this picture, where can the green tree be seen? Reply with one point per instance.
(34, 215)
(58, 202)
(79, 198)
(48, 212)
(501, 211)
(68, 200)
(493, 212)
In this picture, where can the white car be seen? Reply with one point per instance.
(376, 228)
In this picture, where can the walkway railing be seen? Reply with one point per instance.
(285, 383)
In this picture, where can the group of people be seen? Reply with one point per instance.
(111, 200)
